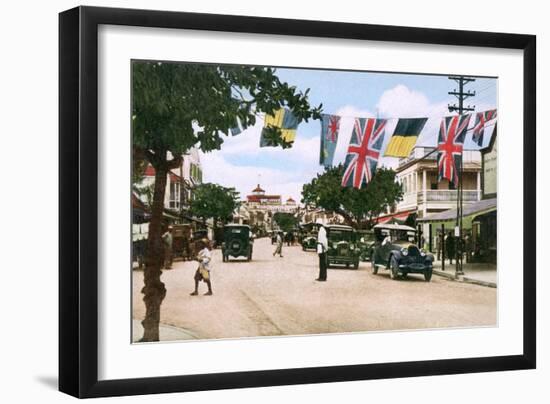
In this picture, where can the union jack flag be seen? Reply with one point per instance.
(479, 128)
(449, 146)
(363, 151)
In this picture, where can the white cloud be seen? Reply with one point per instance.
(284, 182)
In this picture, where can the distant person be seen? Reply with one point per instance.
(450, 246)
(203, 271)
(322, 247)
(168, 240)
(279, 242)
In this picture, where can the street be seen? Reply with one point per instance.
(279, 296)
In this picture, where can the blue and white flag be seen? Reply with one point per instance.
(330, 128)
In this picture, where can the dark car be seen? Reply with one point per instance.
(395, 250)
(365, 243)
(308, 237)
(237, 242)
(342, 246)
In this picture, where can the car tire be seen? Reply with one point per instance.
(394, 268)
(428, 275)
(373, 265)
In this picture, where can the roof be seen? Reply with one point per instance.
(236, 225)
(257, 198)
(338, 226)
(476, 208)
(394, 227)
(258, 189)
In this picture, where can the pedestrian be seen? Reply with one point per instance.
(168, 239)
(450, 245)
(322, 247)
(279, 241)
(203, 271)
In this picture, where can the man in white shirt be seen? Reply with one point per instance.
(322, 247)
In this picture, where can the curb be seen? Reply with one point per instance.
(464, 279)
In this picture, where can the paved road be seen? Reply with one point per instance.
(279, 296)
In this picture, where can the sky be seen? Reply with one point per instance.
(242, 164)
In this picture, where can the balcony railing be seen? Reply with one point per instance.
(439, 196)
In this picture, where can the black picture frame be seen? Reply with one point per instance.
(78, 201)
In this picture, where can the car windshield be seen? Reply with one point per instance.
(403, 235)
(364, 237)
(338, 235)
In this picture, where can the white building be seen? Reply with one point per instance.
(180, 182)
(423, 194)
(259, 208)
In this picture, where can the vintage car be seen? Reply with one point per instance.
(395, 250)
(365, 243)
(342, 246)
(308, 237)
(237, 242)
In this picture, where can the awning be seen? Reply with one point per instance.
(471, 210)
(399, 217)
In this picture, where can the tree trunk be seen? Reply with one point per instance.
(153, 289)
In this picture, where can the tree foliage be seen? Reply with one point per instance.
(286, 221)
(359, 207)
(212, 201)
(178, 106)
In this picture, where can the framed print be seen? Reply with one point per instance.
(251, 202)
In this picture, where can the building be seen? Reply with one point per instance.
(424, 195)
(479, 218)
(259, 207)
(180, 183)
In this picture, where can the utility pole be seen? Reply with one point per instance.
(461, 96)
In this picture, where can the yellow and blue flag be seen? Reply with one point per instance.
(284, 120)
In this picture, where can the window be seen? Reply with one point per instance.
(175, 195)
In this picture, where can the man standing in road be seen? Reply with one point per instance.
(322, 247)
(168, 242)
(279, 249)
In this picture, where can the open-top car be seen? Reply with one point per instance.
(237, 242)
(342, 246)
(365, 243)
(395, 250)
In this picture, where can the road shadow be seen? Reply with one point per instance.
(49, 381)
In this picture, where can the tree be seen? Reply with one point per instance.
(358, 207)
(177, 106)
(286, 221)
(212, 201)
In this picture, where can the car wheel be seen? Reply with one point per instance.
(373, 265)
(428, 275)
(347, 265)
(394, 268)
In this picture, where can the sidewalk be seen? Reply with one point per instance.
(478, 273)
(167, 332)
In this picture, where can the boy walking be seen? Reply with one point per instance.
(203, 271)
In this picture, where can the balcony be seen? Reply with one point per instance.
(438, 196)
